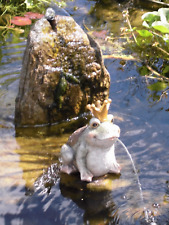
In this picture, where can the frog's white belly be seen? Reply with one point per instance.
(101, 161)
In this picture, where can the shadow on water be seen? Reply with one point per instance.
(32, 189)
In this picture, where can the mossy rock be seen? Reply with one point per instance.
(62, 72)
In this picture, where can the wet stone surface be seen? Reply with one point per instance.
(62, 71)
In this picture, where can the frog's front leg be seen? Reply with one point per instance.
(115, 168)
(85, 174)
(67, 157)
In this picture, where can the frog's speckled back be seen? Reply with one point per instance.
(75, 136)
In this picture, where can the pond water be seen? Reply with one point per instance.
(32, 190)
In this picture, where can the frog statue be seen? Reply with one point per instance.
(90, 149)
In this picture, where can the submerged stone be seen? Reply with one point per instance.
(62, 72)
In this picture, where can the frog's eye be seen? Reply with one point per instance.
(94, 123)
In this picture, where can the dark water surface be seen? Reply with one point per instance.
(32, 191)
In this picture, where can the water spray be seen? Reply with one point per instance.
(152, 222)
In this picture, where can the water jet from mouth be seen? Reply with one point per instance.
(151, 220)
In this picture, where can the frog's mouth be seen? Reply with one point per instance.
(112, 138)
(107, 139)
(99, 140)
(102, 142)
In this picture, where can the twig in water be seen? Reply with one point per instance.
(126, 15)
(164, 93)
(162, 50)
(123, 57)
(156, 73)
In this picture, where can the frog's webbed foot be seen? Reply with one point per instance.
(68, 169)
(86, 176)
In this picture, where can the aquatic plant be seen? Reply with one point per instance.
(26, 19)
(151, 43)
(18, 7)
(21, 13)
(20, 21)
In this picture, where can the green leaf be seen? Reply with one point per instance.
(143, 71)
(158, 86)
(145, 33)
(164, 14)
(160, 26)
(145, 24)
(151, 16)
(166, 70)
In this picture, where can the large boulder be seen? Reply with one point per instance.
(62, 72)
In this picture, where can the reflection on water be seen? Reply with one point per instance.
(30, 183)
(36, 155)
